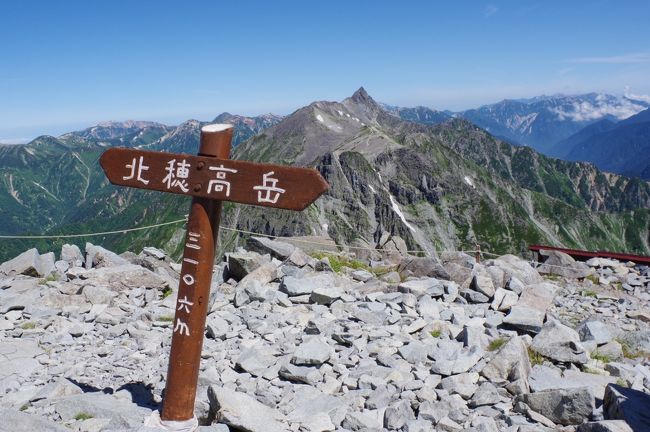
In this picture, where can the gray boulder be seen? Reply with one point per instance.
(242, 263)
(419, 287)
(597, 331)
(605, 426)
(27, 263)
(483, 283)
(97, 257)
(72, 255)
(510, 363)
(463, 384)
(422, 267)
(14, 421)
(560, 343)
(57, 389)
(313, 351)
(255, 361)
(396, 415)
(363, 420)
(20, 294)
(242, 412)
(46, 264)
(451, 358)
(414, 352)
(504, 300)
(326, 296)
(122, 413)
(17, 357)
(474, 296)
(515, 267)
(277, 249)
(486, 394)
(561, 264)
(154, 253)
(623, 403)
(562, 406)
(303, 374)
(543, 377)
(297, 286)
(529, 312)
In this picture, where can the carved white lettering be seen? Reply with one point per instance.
(269, 191)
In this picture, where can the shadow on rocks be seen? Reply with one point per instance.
(141, 393)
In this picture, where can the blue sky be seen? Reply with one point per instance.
(66, 65)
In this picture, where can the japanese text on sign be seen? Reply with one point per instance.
(177, 174)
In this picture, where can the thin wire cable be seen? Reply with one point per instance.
(121, 231)
(126, 230)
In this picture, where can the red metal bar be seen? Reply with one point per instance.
(577, 253)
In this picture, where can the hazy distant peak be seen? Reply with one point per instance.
(129, 124)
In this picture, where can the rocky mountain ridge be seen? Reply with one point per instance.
(440, 187)
(329, 342)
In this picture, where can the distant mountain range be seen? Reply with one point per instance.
(543, 122)
(622, 147)
(435, 179)
(609, 131)
(55, 185)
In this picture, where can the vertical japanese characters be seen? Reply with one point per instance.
(184, 305)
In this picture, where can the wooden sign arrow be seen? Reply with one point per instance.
(268, 185)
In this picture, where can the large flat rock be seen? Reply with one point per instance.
(27, 263)
(122, 413)
(15, 421)
(17, 357)
(563, 406)
(243, 412)
(529, 312)
(560, 343)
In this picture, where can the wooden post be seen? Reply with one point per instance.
(194, 286)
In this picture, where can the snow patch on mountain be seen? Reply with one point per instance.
(398, 210)
(522, 123)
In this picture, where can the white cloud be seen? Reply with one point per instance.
(618, 59)
(628, 94)
(490, 9)
(587, 111)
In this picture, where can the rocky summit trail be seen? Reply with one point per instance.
(329, 342)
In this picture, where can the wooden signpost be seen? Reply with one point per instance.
(209, 178)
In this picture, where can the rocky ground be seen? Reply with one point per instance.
(298, 342)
